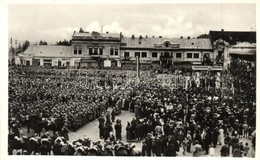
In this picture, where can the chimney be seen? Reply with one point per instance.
(133, 36)
(222, 30)
(146, 36)
(188, 37)
(160, 36)
(140, 37)
(181, 37)
(153, 36)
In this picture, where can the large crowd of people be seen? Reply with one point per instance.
(174, 110)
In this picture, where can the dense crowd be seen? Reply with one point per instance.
(51, 98)
(178, 109)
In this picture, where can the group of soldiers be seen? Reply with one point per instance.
(166, 117)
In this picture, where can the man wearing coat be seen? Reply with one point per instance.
(224, 151)
(118, 129)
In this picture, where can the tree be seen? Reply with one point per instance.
(64, 43)
(25, 45)
(19, 46)
(203, 36)
(81, 30)
(43, 43)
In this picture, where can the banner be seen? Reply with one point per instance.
(107, 63)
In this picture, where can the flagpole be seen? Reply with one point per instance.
(138, 68)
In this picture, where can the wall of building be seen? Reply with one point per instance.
(184, 54)
(99, 45)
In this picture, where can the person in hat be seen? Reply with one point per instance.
(234, 142)
(65, 132)
(148, 143)
(128, 131)
(237, 152)
(188, 141)
(197, 149)
(113, 114)
(208, 141)
(225, 150)
(118, 129)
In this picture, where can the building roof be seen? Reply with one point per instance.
(245, 45)
(232, 37)
(243, 49)
(96, 35)
(48, 51)
(184, 43)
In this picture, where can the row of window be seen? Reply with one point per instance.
(193, 55)
(166, 54)
(96, 51)
(77, 50)
(114, 52)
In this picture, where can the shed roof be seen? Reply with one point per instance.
(48, 51)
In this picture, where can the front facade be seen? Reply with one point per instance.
(114, 50)
(94, 49)
(165, 52)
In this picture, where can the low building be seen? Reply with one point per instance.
(114, 50)
(164, 52)
(46, 55)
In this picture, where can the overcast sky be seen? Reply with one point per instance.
(54, 22)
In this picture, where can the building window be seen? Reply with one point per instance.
(111, 51)
(144, 54)
(90, 51)
(95, 51)
(178, 55)
(166, 44)
(140, 42)
(116, 52)
(80, 50)
(75, 51)
(137, 54)
(47, 62)
(127, 54)
(189, 55)
(154, 54)
(166, 54)
(206, 55)
(101, 51)
(196, 55)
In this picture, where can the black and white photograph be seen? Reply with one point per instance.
(131, 79)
